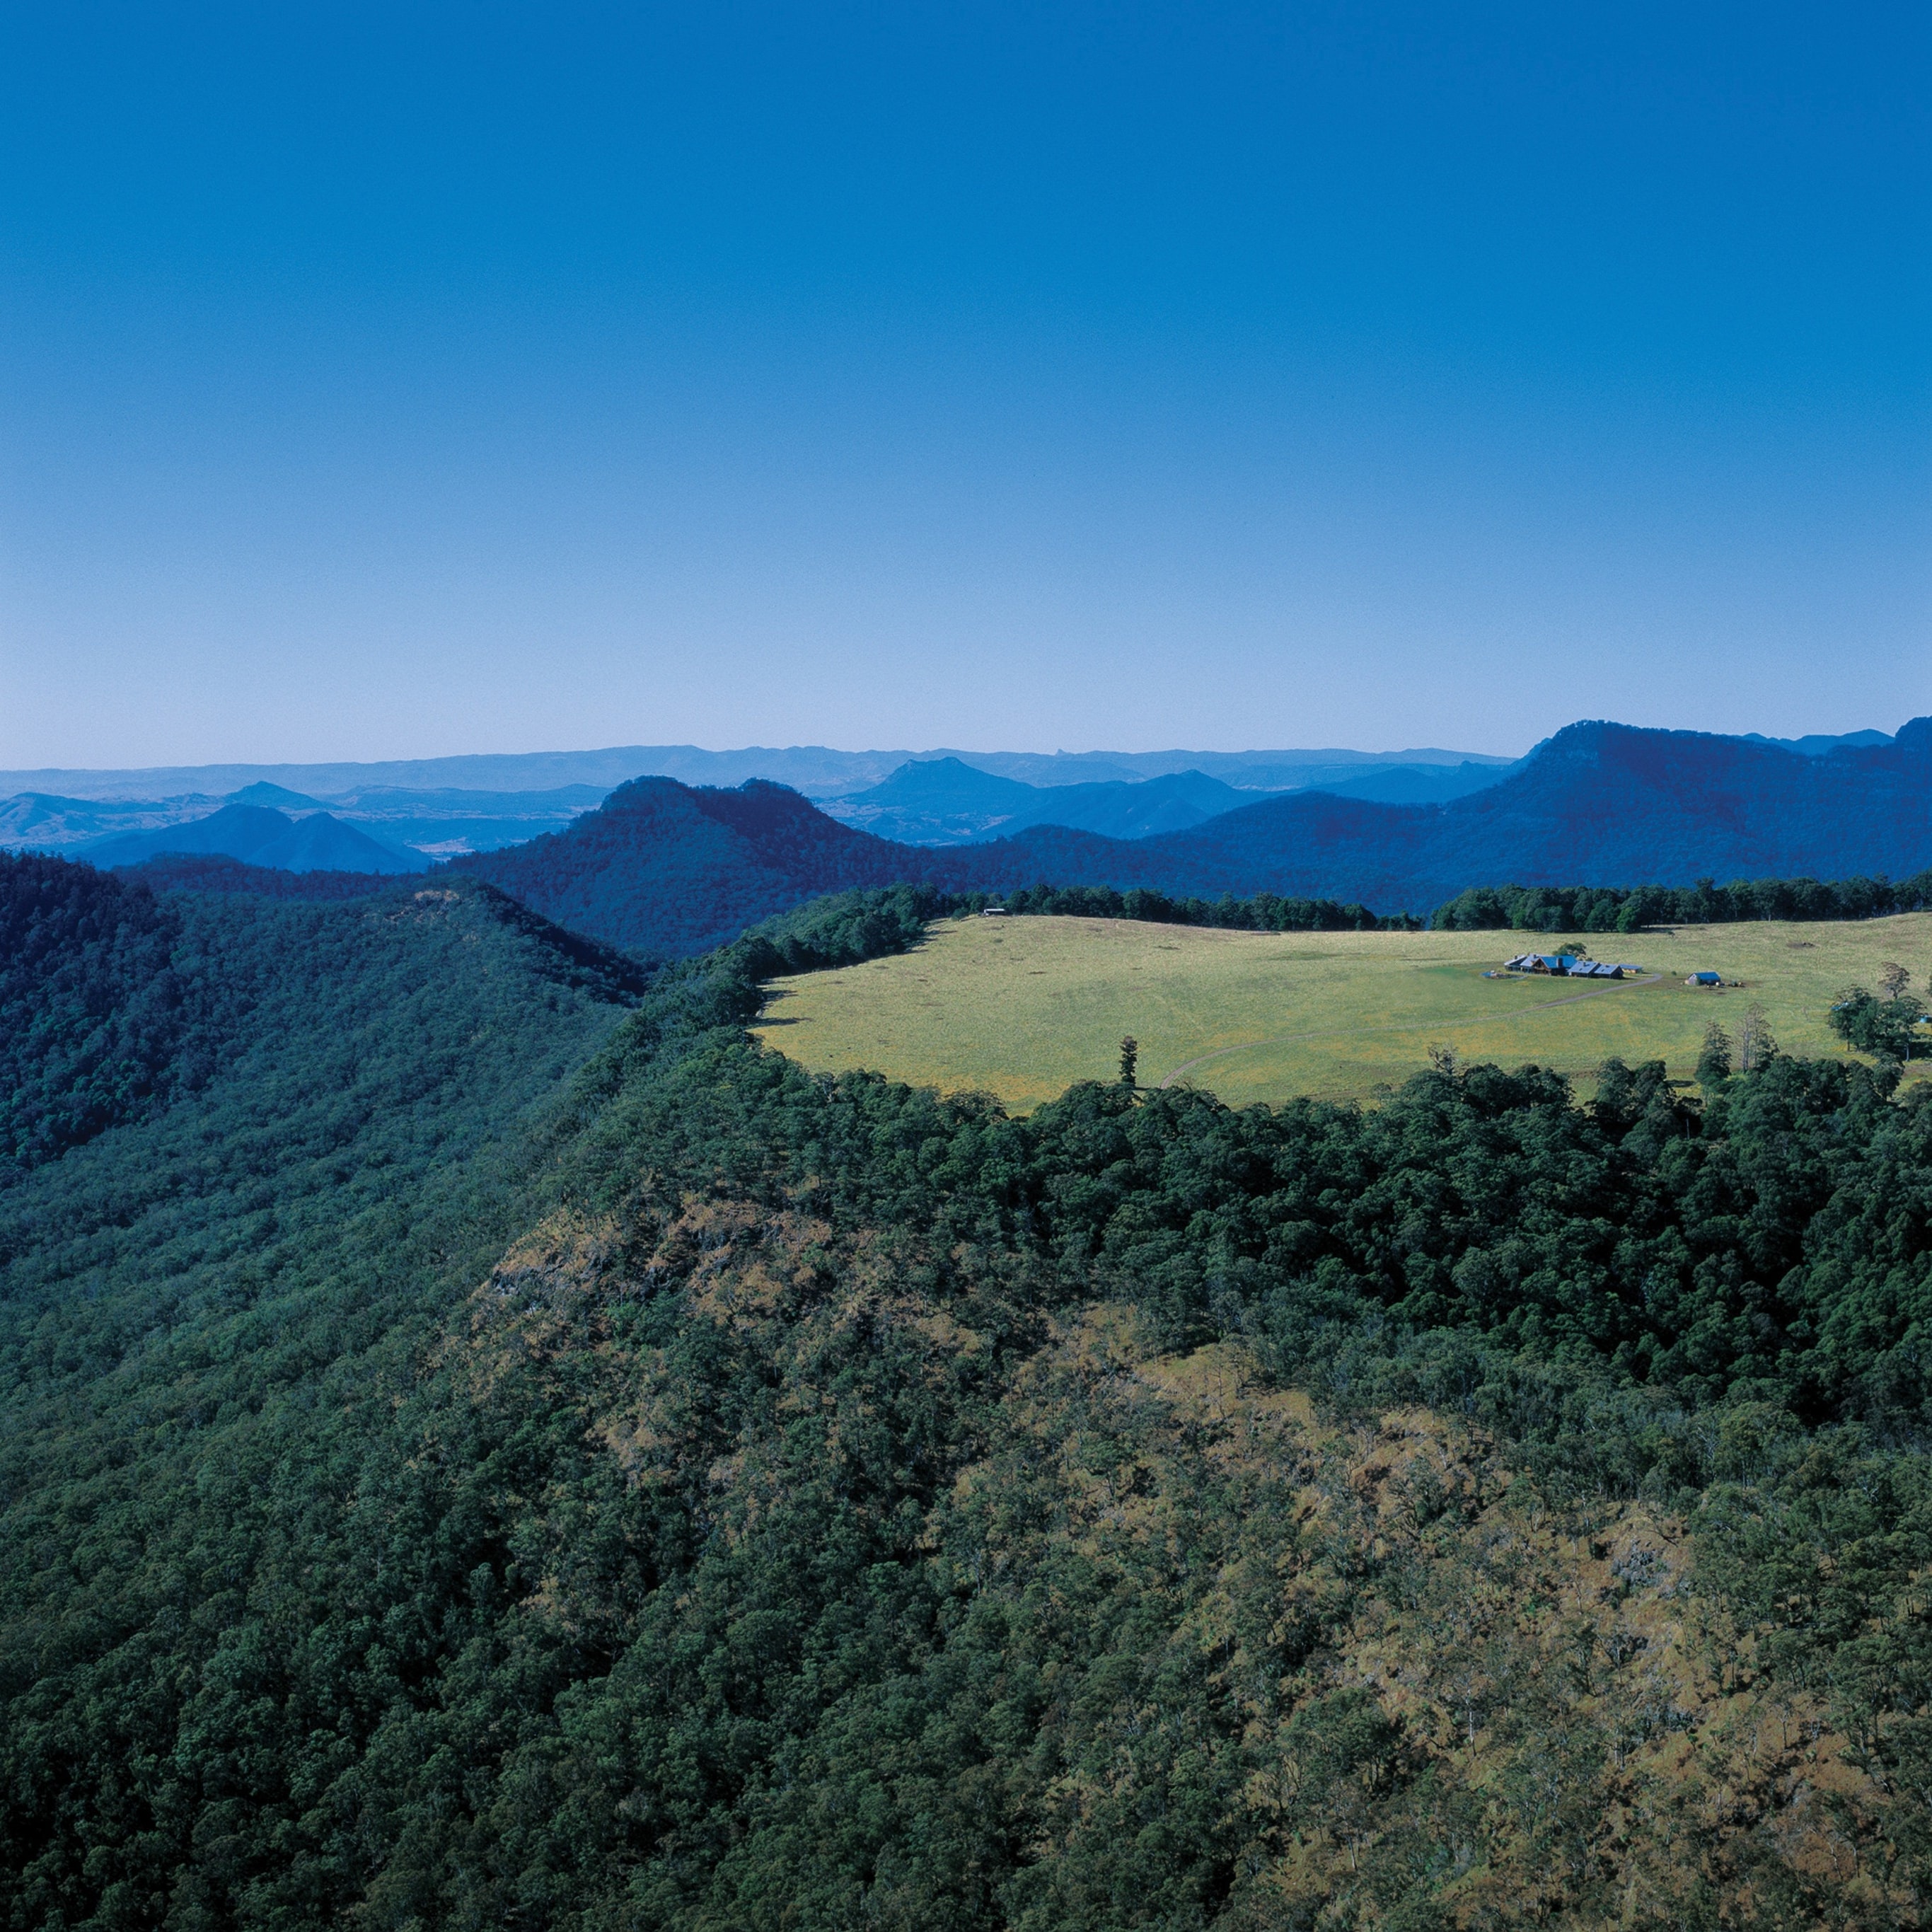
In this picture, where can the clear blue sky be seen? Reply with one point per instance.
(406, 380)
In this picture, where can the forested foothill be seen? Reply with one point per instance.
(497, 1447)
(216, 872)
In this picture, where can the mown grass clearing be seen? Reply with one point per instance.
(1021, 1008)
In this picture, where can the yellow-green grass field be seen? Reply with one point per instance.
(1023, 1007)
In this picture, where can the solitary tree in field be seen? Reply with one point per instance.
(1895, 979)
(1130, 1054)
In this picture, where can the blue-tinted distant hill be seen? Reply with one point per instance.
(1816, 744)
(45, 821)
(258, 834)
(1136, 809)
(947, 802)
(277, 798)
(665, 869)
(934, 801)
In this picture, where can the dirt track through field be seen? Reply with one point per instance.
(1406, 1026)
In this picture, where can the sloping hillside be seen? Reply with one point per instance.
(670, 870)
(117, 1001)
(92, 1013)
(450, 1476)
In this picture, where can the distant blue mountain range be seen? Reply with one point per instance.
(668, 868)
(665, 868)
(417, 811)
(417, 826)
(939, 799)
(259, 834)
(1599, 803)
(948, 802)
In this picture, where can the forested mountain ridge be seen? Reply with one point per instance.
(116, 1001)
(712, 1495)
(668, 869)
(1671, 805)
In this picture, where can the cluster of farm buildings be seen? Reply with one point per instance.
(1568, 966)
(1574, 966)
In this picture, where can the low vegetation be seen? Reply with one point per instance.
(1020, 1008)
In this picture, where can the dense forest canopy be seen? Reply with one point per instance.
(93, 1014)
(1631, 908)
(505, 1449)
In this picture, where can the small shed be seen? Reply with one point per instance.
(992, 912)
(1705, 979)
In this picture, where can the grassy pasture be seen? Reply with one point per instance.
(1021, 1008)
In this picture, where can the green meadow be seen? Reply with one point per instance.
(1021, 1008)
